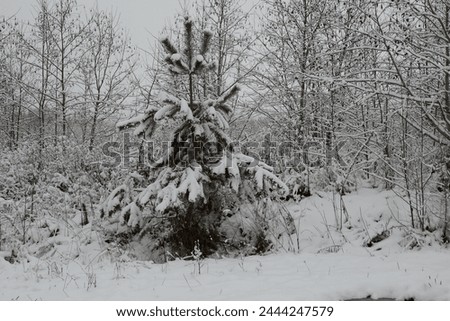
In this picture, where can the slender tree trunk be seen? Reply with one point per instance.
(11, 121)
(405, 169)
(387, 146)
(19, 115)
(63, 109)
(63, 80)
(94, 125)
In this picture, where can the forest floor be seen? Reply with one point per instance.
(375, 254)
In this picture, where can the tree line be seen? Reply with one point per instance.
(366, 81)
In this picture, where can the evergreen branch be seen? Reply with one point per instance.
(168, 46)
(224, 108)
(189, 40)
(206, 41)
(227, 95)
(199, 65)
(178, 62)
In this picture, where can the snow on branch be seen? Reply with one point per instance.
(226, 109)
(199, 64)
(222, 138)
(131, 215)
(168, 46)
(206, 40)
(180, 66)
(228, 166)
(166, 111)
(191, 184)
(168, 196)
(233, 91)
(171, 186)
(262, 175)
(189, 38)
(146, 128)
(167, 98)
(112, 203)
(132, 122)
(250, 161)
(218, 118)
(185, 110)
(144, 124)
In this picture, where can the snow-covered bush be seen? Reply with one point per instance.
(332, 178)
(184, 203)
(48, 191)
(259, 227)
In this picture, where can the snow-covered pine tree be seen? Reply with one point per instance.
(202, 164)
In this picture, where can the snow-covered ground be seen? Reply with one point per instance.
(331, 264)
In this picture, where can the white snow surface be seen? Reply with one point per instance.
(330, 264)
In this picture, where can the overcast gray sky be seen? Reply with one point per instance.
(142, 18)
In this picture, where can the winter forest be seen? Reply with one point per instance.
(256, 150)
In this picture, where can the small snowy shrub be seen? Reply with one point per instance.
(259, 227)
(332, 178)
(48, 192)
